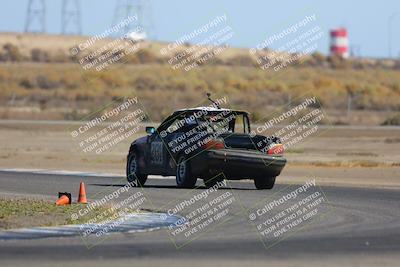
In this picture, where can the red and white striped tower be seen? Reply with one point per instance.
(339, 42)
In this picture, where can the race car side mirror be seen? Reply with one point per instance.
(150, 130)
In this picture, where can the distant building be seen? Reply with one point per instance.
(137, 36)
(339, 42)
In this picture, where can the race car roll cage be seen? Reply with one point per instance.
(215, 112)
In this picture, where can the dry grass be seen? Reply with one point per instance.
(65, 91)
(74, 92)
(24, 212)
(17, 213)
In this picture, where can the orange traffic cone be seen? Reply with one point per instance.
(63, 199)
(82, 194)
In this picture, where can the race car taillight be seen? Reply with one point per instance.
(214, 144)
(276, 149)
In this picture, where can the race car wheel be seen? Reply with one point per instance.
(264, 182)
(184, 177)
(210, 182)
(132, 171)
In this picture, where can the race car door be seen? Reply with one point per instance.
(157, 155)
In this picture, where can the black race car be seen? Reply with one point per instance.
(210, 143)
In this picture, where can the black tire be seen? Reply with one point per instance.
(184, 177)
(264, 183)
(211, 181)
(133, 174)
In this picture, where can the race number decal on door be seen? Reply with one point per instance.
(156, 153)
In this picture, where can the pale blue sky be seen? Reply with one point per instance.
(252, 21)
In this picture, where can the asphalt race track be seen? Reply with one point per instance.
(364, 223)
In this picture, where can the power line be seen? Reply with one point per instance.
(71, 17)
(36, 16)
(140, 9)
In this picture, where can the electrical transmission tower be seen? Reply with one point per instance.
(71, 17)
(36, 16)
(134, 8)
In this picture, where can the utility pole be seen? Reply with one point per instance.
(125, 9)
(36, 14)
(71, 17)
(134, 8)
(390, 20)
(355, 51)
(349, 100)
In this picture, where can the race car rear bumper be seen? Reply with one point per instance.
(237, 164)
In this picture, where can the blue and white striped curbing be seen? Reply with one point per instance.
(130, 223)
